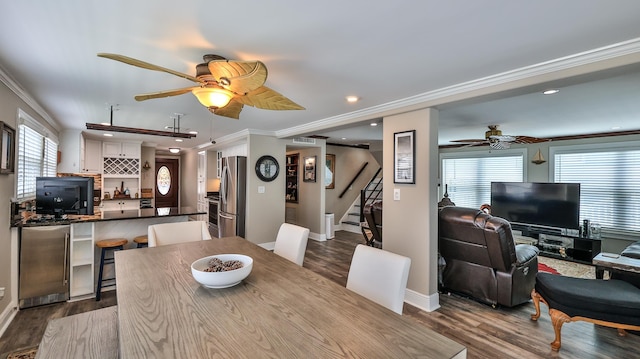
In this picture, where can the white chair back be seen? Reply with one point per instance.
(380, 276)
(291, 242)
(177, 232)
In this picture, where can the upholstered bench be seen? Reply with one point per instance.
(611, 303)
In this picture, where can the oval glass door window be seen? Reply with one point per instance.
(164, 180)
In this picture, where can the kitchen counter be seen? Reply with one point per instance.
(109, 216)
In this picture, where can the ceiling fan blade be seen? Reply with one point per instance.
(476, 140)
(268, 99)
(231, 110)
(161, 94)
(528, 139)
(244, 76)
(146, 65)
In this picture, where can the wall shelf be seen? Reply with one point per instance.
(292, 169)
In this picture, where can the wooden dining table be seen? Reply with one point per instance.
(280, 310)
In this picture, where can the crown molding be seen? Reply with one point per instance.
(19, 91)
(611, 56)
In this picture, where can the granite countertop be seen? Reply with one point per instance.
(38, 221)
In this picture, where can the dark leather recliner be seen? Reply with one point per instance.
(482, 259)
(373, 215)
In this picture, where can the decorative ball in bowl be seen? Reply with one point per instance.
(221, 270)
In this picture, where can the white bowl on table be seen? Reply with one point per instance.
(221, 279)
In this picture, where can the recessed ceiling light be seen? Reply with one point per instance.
(344, 138)
(374, 124)
(174, 150)
(193, 132)
(550, 91)
(178, 139)
(615, 127)
(108, 135)
(352, 99)
(105, 123)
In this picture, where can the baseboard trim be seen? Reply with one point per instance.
(427, 303)
(7, 316)
(318, 237)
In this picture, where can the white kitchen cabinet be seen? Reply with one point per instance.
(81, 271)
(92, 156)
(121, 149)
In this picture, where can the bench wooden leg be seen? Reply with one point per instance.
(558, 318)
(536, 303)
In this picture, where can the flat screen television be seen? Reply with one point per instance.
(64, 195)
(555, 205)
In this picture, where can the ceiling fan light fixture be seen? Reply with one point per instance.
(212, 97)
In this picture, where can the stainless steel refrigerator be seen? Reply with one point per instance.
(233, 188)
(44, 265)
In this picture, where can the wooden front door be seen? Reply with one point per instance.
(167, 170)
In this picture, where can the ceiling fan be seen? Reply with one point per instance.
(496, 140)
(223, 86)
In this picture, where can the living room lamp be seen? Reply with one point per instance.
(213, 97)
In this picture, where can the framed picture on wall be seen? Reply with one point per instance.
(309, 169)
(7, 148)
(404, 157)
(329, 174)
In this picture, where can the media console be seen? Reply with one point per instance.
(572, 248)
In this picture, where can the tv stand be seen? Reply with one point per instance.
(571, 248)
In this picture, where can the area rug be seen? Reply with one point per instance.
(565, 268)
(29, 353)
(545, 268)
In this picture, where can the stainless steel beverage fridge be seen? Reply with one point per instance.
(44, 265)
(233, 179)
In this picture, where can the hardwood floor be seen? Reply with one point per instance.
(485, 331)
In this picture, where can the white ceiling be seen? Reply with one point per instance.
(318, 53)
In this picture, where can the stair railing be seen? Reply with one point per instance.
(368, 194)
(353, 180)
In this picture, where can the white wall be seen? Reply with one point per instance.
(265, 211)
(310, 208)
(411, 223)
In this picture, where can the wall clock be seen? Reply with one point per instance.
(267, 168)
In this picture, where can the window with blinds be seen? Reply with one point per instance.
(609, 180)
(468, 176)
(37, 156)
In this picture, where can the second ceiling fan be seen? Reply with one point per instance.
(224, 86)
(496, 140)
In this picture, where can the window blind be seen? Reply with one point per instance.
(37, 156)
(609, 185)
(468, 179)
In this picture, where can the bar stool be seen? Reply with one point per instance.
(113, 244)
(142, 241)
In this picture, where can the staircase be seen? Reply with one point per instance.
(354, 220)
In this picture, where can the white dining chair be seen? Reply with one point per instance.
(177, 232)
(379, 275)
(291, 242)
